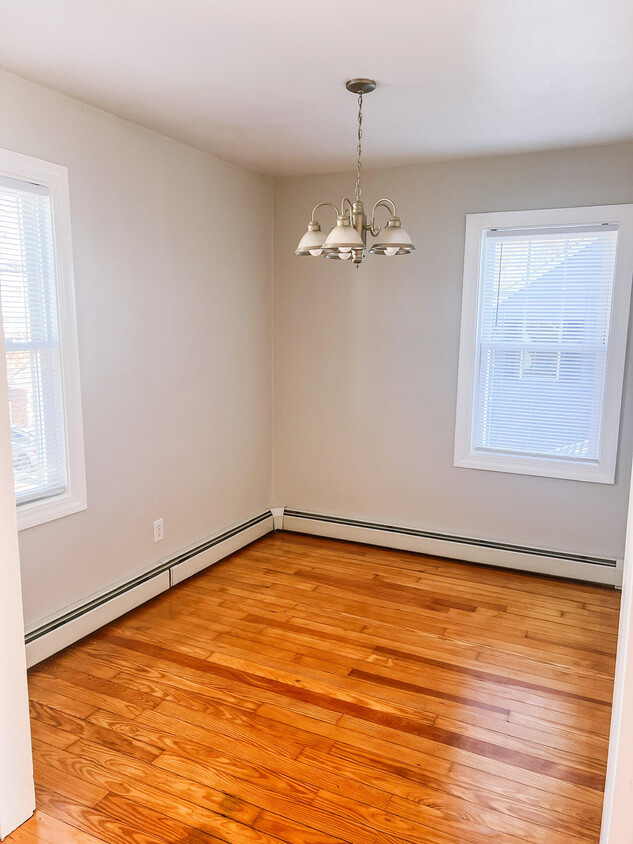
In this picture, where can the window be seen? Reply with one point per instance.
(543, 341)
(38, 317)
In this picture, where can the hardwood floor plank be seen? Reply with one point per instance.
(21, 836)
(49, 694)
(372, 738)
(68, 785)
(165, 827)
(41, 732)
(531, 806)
(450, 745)
(582, 804)
(92, 821)
(387, 824)
(480, 694)
(485, 641)
(288, 830)
(290, 686)
(46, 829)
(495, 679)
(84, 728)
(101, 686)
(154, 788)
(394, 683)
(474, 821)
(163, 729)
(92, 698)
(291, 808)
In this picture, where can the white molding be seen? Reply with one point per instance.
(167, 574)
(38, 512)
(389, 537)
(55, 178)
(17, 795)
(618, 791)
(218, 552)
(278, 517)
(59, 638)
(476, 226)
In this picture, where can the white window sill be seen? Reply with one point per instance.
(39, 512)
(539, 467)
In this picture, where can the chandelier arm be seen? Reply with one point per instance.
(349, 203)
(321, 205)
(387, 203)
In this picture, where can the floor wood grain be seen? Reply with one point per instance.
(319, 692)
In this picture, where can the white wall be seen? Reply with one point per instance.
(366, 361)
(174, 309)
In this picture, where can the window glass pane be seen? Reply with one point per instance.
(29, 312)
(544, 316)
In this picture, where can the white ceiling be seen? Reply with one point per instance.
(261, 82)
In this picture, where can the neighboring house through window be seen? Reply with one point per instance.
(38, 316)
(543, 341)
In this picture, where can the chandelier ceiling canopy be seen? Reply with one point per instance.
(347, 241)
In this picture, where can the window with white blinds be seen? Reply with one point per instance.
(37, 310)
(543, 348)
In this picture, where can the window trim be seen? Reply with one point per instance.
(476, 226)
(55, 177)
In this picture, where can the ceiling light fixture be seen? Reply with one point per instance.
(348, 239)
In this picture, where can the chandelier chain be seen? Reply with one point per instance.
(357, 189)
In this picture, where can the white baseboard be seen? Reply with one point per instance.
(181, 571)
(278, 517)
(538, 561)
(60, 637)
(82, 619)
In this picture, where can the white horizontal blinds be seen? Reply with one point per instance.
(29, 313)
(543, 334)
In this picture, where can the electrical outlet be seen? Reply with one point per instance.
(159, 530)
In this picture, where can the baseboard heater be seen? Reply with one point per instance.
(85, 618)
(538, 560)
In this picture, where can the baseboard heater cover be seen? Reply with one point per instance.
(85, 618)
(542, 561)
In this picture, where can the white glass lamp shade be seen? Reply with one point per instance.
(312, 241)
(393, 240)
(342, 239)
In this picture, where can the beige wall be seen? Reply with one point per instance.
(174, 310)
(366, 361)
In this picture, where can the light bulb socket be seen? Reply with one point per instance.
(355, 255)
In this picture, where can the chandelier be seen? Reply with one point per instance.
(348, 239)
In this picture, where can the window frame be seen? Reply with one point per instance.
(476, 227)
(55, 177)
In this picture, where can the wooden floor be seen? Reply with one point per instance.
(314, 691)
